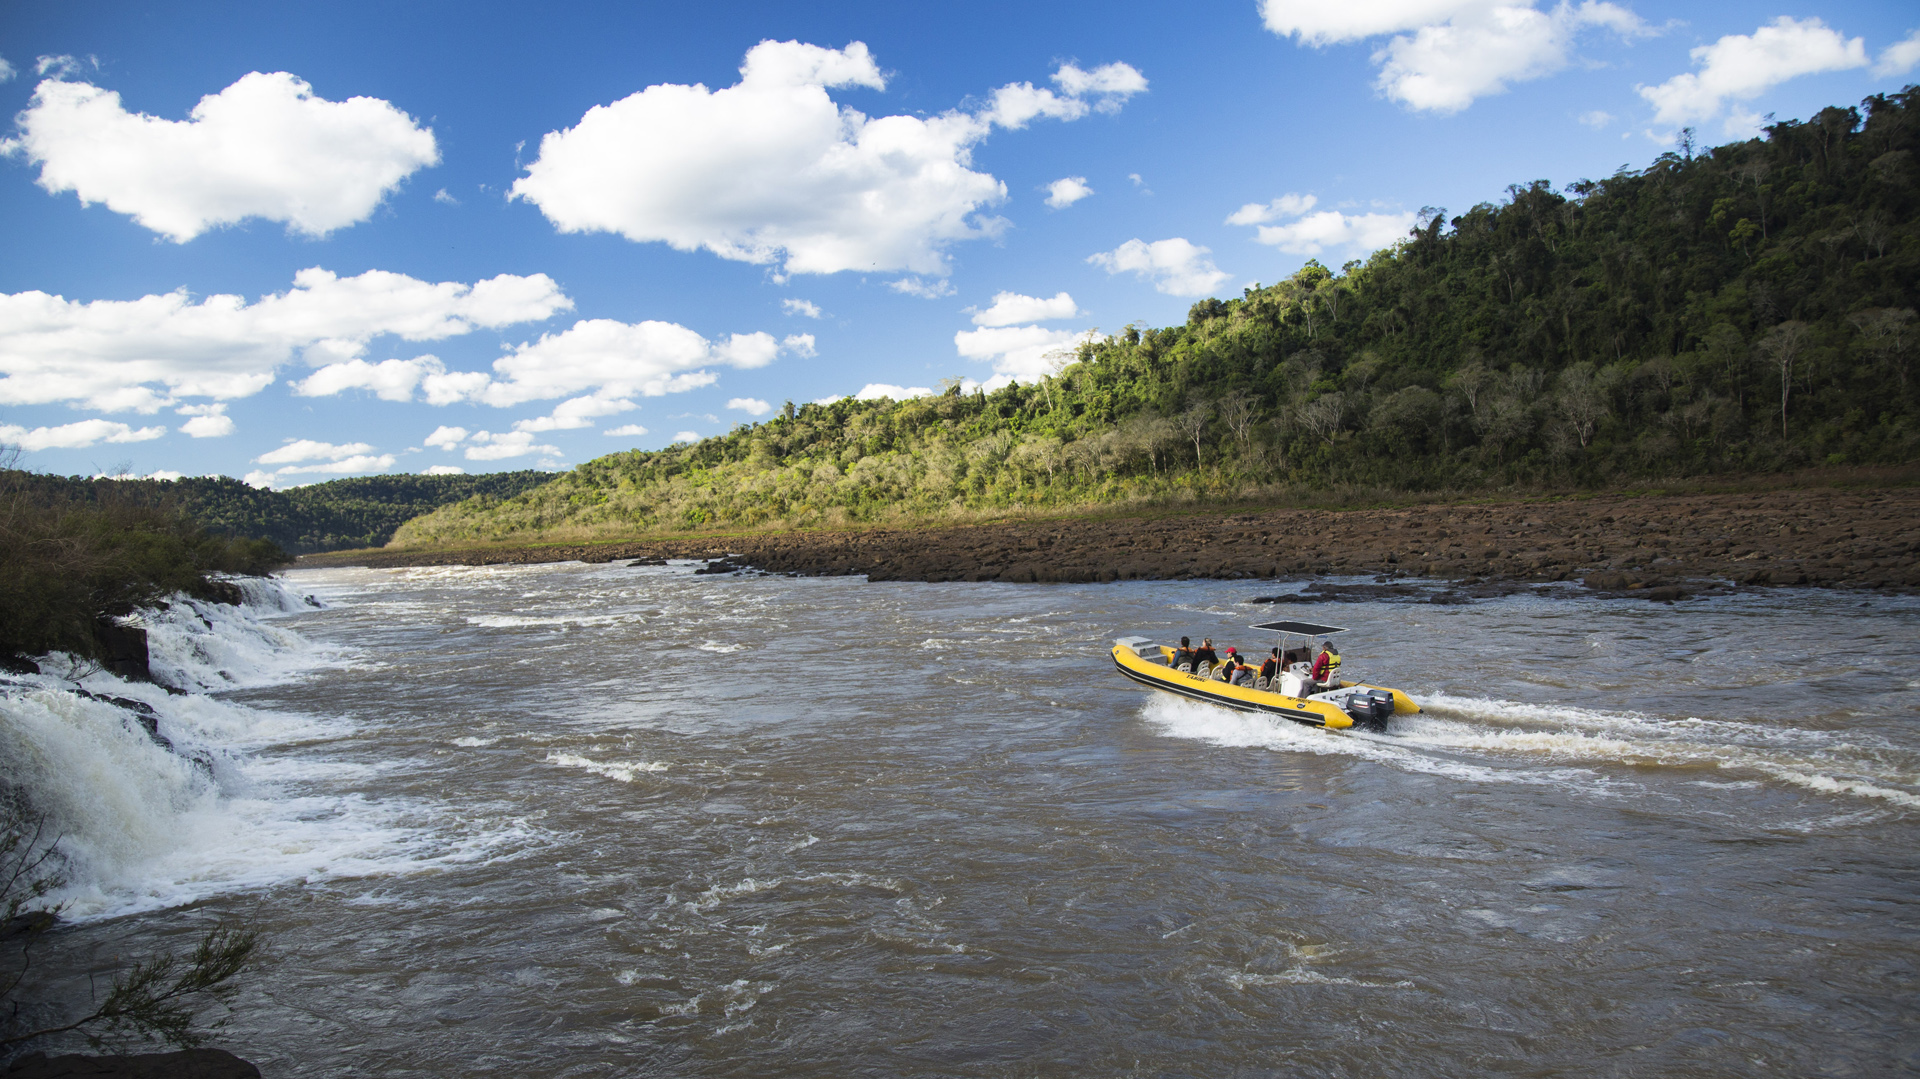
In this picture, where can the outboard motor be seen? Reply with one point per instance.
(1370, 709)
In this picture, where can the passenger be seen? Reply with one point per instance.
(1225, 671)
(1326, 669)
(1239, 674)
(1183, 654)
(1270, 669)
(1206, 654)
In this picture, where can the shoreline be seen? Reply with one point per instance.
(1834, 538)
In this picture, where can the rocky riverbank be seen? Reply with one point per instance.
(1629, 544)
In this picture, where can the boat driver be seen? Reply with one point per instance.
(1326, 669)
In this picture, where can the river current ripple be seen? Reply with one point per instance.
(622, 821)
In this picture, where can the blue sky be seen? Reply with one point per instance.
(294, 242)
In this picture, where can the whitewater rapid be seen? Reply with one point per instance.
(222, 806)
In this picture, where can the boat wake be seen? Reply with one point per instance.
(1618, 754)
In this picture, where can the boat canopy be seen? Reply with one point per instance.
(1307, 628)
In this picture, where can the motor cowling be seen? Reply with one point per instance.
(1370, 710)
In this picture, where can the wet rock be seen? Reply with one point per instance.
(34, 921)
(646, 562)
(186, 1064)
(729, 564)
(16, 664)
(123, 650)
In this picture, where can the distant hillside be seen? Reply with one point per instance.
(331, 516)
(1747, 309)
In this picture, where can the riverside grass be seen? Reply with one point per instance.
(1747, 310)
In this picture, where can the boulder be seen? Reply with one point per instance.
(123, 650)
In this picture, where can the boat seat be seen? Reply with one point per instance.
(1260, 683)
(1186, 668)
(1204, 670)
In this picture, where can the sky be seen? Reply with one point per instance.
(291, 243)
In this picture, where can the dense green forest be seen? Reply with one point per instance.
(331, 516)
(1746, 309)
(69, 564)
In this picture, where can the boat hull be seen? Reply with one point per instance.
(1306, 710)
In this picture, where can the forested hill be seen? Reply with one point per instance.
(338, 514)
(1749, 308)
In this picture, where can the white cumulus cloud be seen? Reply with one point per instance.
(295, 450)
(804, 308)
(1256, 213)
(1019, 352)
(443, 470)
(143, 354)
(926, 290)
(1899, 57)
(1740, 67)
(628, 430)
(1011, 307)
(1175, 266)
(772, 170)
(76, 436)
(873, 391)
(209, 421)
(487, 446)
(576, 413)
(264, 147)
(6, 71)
(1315, 234)
(752, 406)
(390, 380)
(306, 456)
(1458, 50)
(446, 438)
(1066, 191)
(686, 436)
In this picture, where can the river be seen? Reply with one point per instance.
(571, 820)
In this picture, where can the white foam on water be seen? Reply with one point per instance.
(470, 742)
(196, 645)
(624, 771)
(515, 621)
(721, 893)
(1302, 976)
(1823, 761)
(1572, 747)
(143, 828)
(236, 803)
(723, 649)
(1178, 718)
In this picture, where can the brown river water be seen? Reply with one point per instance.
(570, 820)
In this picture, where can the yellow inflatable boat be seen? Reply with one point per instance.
(1290, 694)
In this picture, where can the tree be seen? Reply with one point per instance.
(1783, 346)
(1887, 334)
(156, 997)
(1237, 412)
(1325, 415)
(1582, 402)
(1193, 424)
